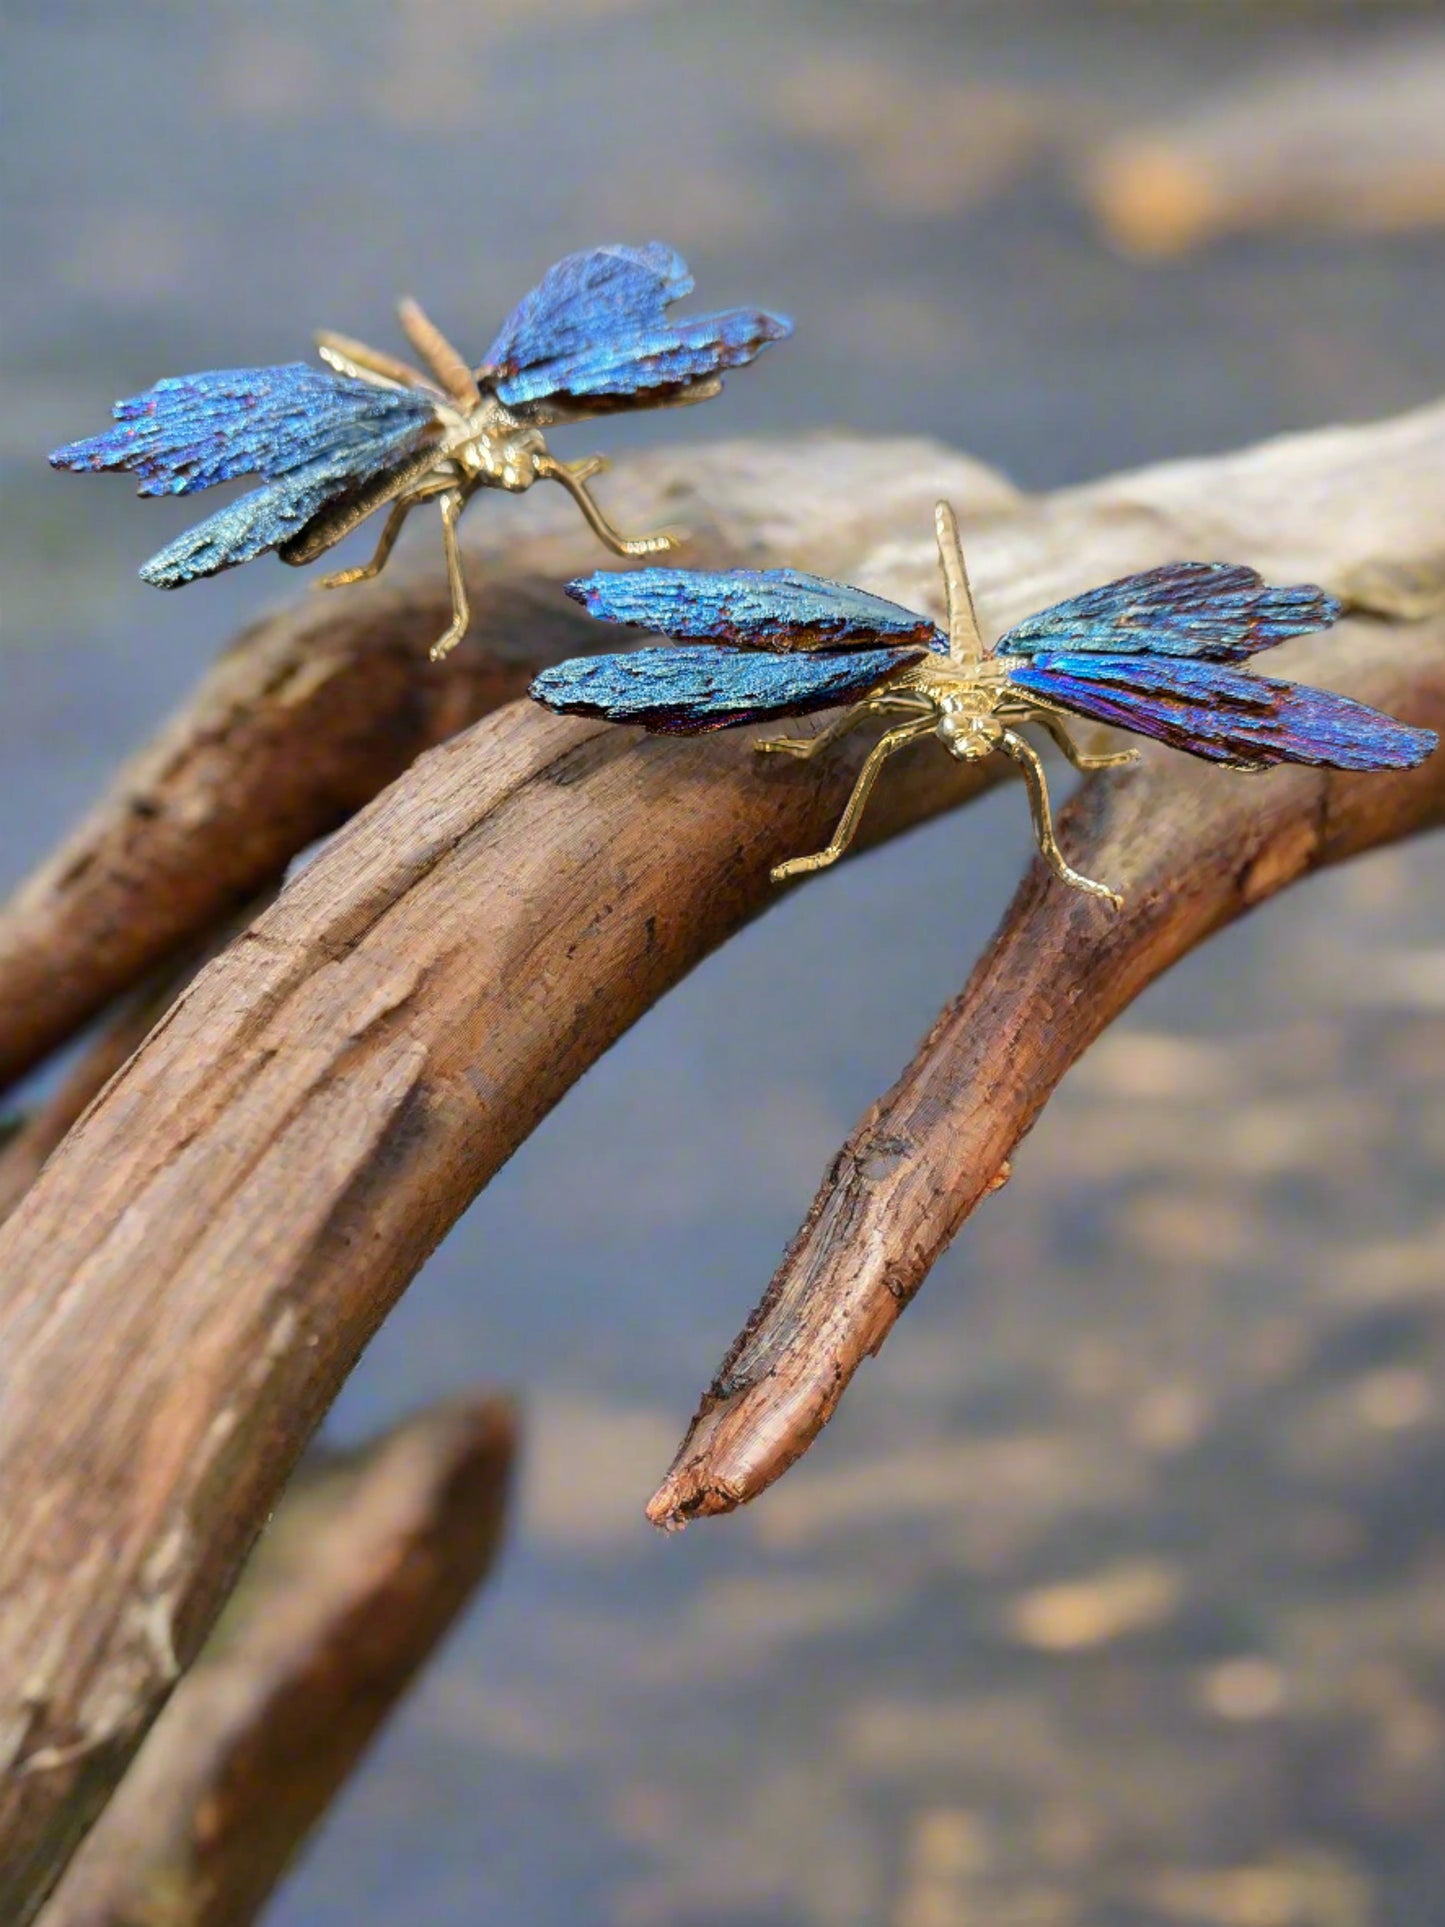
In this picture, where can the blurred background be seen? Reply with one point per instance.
(1116, 1592)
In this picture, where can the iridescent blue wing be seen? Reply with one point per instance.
(1224, 715)
(190, 432)
(1214, 611)
(779, 609)
(314, 435)
(595, 330)
(276, 516)
(687, 691)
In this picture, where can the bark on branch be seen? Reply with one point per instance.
(200, 1262)
(310, 713)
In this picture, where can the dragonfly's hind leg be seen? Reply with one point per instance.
(451, 507)
(1082, 759)
(848, 822)
(566, 473)
(1012, 744)
(365, 571)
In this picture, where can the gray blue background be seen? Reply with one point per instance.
(1189, 1360)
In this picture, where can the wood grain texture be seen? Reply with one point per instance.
(310, 713)
(36, 1134)
(198, 1266)
(303, 720)
(367, 1563)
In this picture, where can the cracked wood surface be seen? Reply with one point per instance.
(297, 725)
(201, 1261)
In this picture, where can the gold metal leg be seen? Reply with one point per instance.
(576, 486)
(847, 829)
(806, 747)
(1082, 759)
(589, 466)
(451, 507)
(366, 570)
(1012, 744)
(350, 357)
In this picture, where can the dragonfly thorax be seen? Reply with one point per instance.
(491, 447)
(963, 698)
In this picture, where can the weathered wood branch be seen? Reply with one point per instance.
(310, 713)
(302, 721)
(1192, 849)
(35, 1136)
(363, 1569)
(199, 1264)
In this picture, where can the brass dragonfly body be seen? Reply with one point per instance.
(483, 445)
(330, 446)
(965, 699)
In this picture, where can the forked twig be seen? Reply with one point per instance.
(1194, 849)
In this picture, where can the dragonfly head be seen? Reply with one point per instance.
(964, 733)
(500, 452)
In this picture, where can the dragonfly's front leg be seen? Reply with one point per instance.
(567, 476)
(452, 504)
(354, 358)
(1012, 744)
(367, 570)
(1082, 759)
(848, 822)
(806, 747)
(589, 466)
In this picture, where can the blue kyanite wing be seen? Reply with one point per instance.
(688, 690)
(780, 609)
(314, 435)
(596, 328)
(266, 518)
(1214, 611)
(190, 432)
(1224, 715)
(598, 290)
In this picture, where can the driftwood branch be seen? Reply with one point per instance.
(200, 1262)
(365, 1566)
(309, 714)
(34, 1136)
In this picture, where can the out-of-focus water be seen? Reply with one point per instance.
(1114, 1593)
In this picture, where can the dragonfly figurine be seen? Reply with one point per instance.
(1151, 653)
(334, 444)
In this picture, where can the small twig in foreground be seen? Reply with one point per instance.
(365, 1566)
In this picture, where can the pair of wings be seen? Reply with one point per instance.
(1149, 653)
(593, 336)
